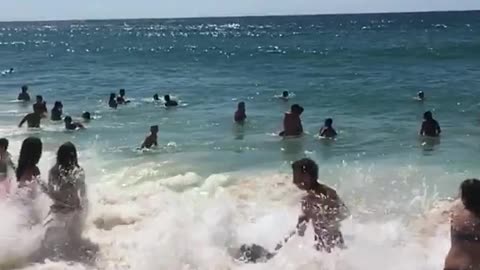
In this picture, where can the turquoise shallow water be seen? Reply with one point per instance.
(361, 70)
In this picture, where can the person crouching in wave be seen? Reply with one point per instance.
(321, 205)
(67, 189)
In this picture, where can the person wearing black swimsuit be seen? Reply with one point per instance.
(465, 229)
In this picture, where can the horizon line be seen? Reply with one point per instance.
(243, 16)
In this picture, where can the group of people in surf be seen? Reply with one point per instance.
(65, 187)
(40, 111)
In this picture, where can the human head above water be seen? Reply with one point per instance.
(241, 106)
(470, 195)
(58, 104)
(328, 122)
(155, 97)
(296, 109)
(86, 116)
(285, 94)
(3, 144)
(112, 96)
(68, 119)
(305, 173)
(67, 156)
(154, 129)
(39, 99)
(24, 89)
(428, 115)
(421, 94)
(122, 92)
(30, 155)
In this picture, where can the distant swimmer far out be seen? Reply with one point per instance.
(24, 96)
(430, 126)
(151, 139)
(112, 102)
(327, 131)
(70, 125)
(240, 115)
(465, 229)
(321, 205)
(57, 111)
(121, 98)
(292, 124)
(285, 95)
(40, 107)
(156, 97)
(86, 116)
(169, 102)
(33, 120)
(420, 96)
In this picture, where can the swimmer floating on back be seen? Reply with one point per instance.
(240, 114)
(151, 140)
(327, 131)
(292, 124)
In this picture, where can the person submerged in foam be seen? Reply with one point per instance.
(321, 205)
(292, 124)
(70, 125)
(240, 115)
(24, 96)
(430, 126)
(57, 111)
(327, 131)
(121, 98)
(40, 107)
(151, 139)
(33, 120)
(66, 188)
(465, 229)
(169, 102)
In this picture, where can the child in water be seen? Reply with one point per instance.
(321, 205)
(240, 115)
(151, 140)
(327, 131)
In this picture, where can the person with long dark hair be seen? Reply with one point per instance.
(30, 154)
(57, 111)
(465, 229)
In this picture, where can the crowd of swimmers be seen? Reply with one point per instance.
(321, 206)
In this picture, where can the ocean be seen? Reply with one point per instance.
(212, 185)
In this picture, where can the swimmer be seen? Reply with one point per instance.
(240, 115)
(5, 158)
(327, 131)
(151, 140)
(420, 96)
(57, 111)
(321, 205)
(30, 154)
(121, 98)
(430, 126)
(465, 229)
(112, 102)
(292, 123)
(67, 189)
(32, 119)
(40, 107)
(24, 96)
(155, 97)
(70, 125)
(285, 95)
(86, 116)
(169, 102)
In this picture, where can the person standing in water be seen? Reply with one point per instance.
(33, 120)
(5, 163)
(430, 126)
(67, 189)
(70, 125)
(465, 229)
(112, 102)
(321, 205)
(121, 98)
(30, 153)
(327, 131)
(292, 124)
(40, 107)
(169, 102)
(24, 96)
(151, 140)
(57, 111)
(240, 115)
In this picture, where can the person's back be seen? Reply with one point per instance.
(33, 120)
(430, 126)
(465, 229)
(151, 139)
(240, 114)
(327, 130)
(57, 111)
(24, 96)
(292, 123)
(40, 107)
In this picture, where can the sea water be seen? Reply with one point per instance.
(211, 185)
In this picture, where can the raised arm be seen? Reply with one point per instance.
(23, 121)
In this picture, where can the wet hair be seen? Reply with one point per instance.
(39, 98)
(4, 143)
(24, 88)
(67, 156)
(296, 108)
(428, 115)
(307, 166)
(30, 155)
(155, 97)
(421, 94)
(86, 116)
(58, 104)
(470, 194)
(166, 97)
(154, 128)
(285, 94)
(328, 122)
(68, 119)
(241, 105)
(122, 91)
(112, 96)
